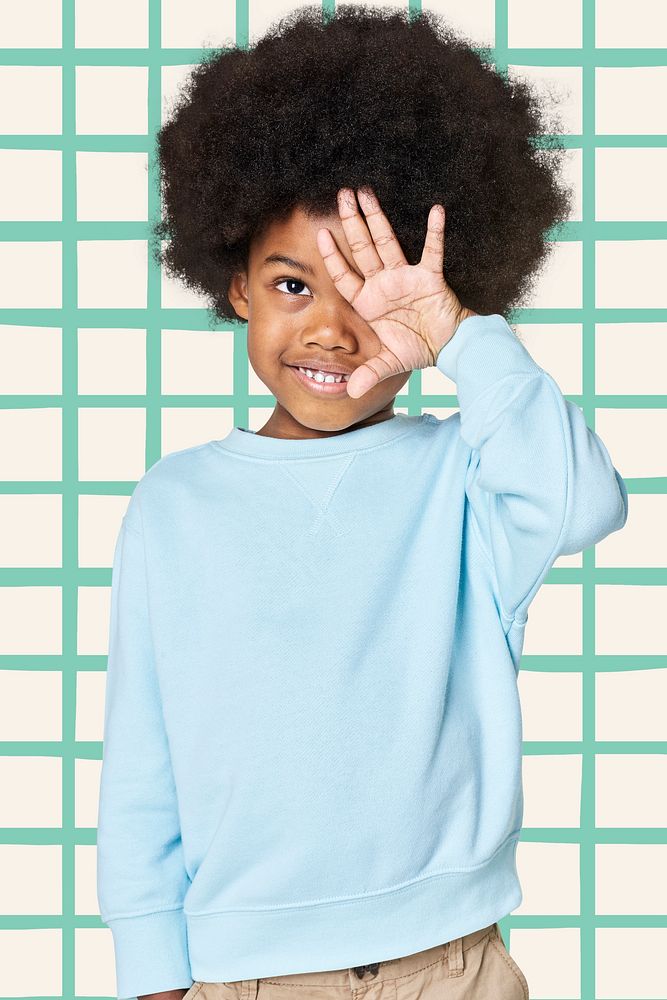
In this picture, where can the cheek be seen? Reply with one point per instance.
(266, 347)
(396, 382)
(264, 339)
(272, 334)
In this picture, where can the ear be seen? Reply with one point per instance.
(237, 293)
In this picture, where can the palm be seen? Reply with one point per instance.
(404, 304)
(395, 302)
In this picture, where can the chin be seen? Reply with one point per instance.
(335, 422)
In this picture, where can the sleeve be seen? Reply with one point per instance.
(540, 483)
(141, 878)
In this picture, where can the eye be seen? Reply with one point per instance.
(290, 281)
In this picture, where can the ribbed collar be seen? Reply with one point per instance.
(243, 442)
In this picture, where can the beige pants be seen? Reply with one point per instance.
(476, 966)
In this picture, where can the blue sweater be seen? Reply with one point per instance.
(312, 736)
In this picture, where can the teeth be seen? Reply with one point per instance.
(319, 376)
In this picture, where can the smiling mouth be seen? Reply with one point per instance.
(318, 375)
(327, 383)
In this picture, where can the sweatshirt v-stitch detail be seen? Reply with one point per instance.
(323, 513)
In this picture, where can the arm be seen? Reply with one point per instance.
(540, 483)
(141, 877)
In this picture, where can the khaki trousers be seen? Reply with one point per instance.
(476, 966)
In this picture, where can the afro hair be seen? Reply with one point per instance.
(365, 95)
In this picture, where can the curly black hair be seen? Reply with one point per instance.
(365, 95)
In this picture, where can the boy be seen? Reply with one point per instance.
(312, 748)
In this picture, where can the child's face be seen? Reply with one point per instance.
(297, 316)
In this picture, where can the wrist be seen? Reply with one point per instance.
(439, 340)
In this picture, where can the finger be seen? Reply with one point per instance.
(433, 254)
(374, 370)
(344, 278)
(384, 237)
(357, 235)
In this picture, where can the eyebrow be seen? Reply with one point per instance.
(278, 258)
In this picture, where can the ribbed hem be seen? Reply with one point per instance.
(252, 445)
(252, 944)
(151, 953)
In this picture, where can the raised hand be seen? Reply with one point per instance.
(410, 307)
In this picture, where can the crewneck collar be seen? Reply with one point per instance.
(244, 442)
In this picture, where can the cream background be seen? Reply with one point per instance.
(587, 902)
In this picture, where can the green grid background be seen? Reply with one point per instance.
(70, 577)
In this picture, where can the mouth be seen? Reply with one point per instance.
(321, 383)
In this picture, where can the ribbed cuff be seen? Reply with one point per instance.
(483, 350)
(151, 953)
